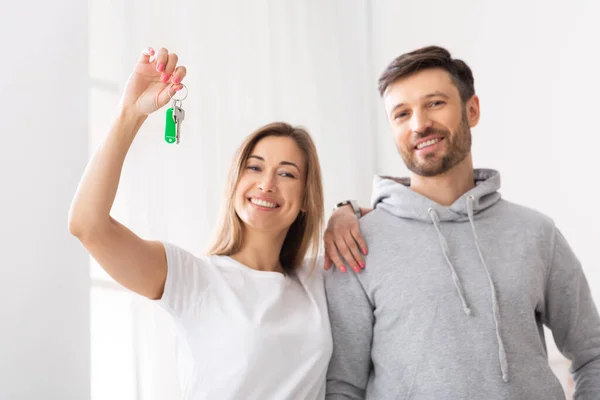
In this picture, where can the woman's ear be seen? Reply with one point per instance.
(304, 207)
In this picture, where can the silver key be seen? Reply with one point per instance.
(178, 116)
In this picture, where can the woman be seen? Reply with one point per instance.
(252, 313)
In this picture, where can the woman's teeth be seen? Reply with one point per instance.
(263, 203)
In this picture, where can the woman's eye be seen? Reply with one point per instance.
(253, 167)
(287, 175)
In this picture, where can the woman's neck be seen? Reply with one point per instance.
(261, 250)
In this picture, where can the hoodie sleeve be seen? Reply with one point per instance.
(351, 316)
(573, 318)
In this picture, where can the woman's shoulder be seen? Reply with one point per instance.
(178, 255)
(311, 268)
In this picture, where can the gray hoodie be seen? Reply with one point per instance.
(453, 301)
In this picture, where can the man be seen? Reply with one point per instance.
(459, 282)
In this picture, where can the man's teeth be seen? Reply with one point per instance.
(428, 143)
(263, 203)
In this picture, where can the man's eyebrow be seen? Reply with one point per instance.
(437, 93)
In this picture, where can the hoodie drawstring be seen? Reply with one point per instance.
(495, 308)
(446, 251)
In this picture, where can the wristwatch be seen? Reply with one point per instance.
(352, 203)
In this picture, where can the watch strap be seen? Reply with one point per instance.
(352, 203)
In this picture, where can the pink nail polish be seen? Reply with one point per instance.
(356, 269)
(164, 78)
(343, 269)
(364, 251)
(176, 80)
(161, 67)
(362, 264)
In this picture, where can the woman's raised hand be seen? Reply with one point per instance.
(154, 80)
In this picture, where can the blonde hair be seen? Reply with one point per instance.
(304, 235)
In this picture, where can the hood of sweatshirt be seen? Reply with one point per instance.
(395, 196)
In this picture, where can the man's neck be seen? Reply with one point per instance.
(260, 250)
(446, 188)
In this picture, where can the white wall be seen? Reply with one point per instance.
(535, 67)
(44, 317)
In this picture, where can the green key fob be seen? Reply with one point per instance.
(170, 128)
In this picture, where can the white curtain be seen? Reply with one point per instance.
(249, 63)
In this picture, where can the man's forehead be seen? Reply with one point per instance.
(418, 86)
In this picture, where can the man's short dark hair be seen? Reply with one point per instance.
(426, 58)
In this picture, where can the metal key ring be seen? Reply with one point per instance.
(171, 97)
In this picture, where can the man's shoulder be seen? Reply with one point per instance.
(524, 214)
(374, 220)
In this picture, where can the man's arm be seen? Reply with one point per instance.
(573, 318)
(351, 316)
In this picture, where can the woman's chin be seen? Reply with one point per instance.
(267, 225)
(272, 221)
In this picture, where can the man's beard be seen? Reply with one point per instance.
(458, 146)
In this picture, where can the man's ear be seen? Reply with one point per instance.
(473, 110)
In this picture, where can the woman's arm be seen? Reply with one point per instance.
(139, 265)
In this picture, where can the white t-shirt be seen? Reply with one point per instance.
(250, 334)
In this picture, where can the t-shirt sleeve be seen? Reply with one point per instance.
(188, 279)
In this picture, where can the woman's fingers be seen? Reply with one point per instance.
(162, 56)
(353, 256)
(170, 66)
(166, 63)
(146, 55)
(171, 74)
(178, 74)
(332, 253)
